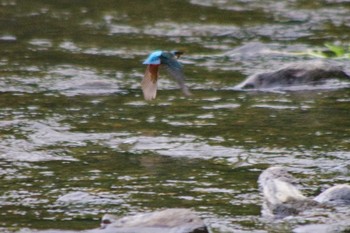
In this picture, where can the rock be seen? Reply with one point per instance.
(168, 220)
(336, 195)
(282, 198)
(323, 228)
(307, 73)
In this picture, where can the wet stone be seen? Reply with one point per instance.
(168, 220)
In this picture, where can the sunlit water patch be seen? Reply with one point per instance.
(72, 81)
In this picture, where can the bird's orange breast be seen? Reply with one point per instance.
(152, 71)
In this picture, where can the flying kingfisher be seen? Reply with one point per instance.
(174, 68)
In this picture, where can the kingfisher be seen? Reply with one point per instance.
(171, 64)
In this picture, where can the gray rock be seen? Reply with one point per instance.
(282, 198)
(336, 195)
(307, 73)
(168, 220)
(323, 228)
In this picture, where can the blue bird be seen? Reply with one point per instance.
(174, 68)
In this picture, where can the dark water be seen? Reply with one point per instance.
(78, 141)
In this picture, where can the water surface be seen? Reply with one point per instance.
(78, 140)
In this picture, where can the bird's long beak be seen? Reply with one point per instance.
(149, 82)
(178, 54)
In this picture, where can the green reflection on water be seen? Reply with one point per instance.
(73, 119)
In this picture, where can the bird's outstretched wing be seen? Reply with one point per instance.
(174, 68)
(149, 82)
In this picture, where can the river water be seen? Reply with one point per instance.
(79, 141)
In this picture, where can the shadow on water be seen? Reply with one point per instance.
(78, 141)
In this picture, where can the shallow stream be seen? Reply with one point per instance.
(77, 140)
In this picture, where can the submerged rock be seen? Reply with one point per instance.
(168, 220)
(282, 198)
(250, 49)
(307, 73)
